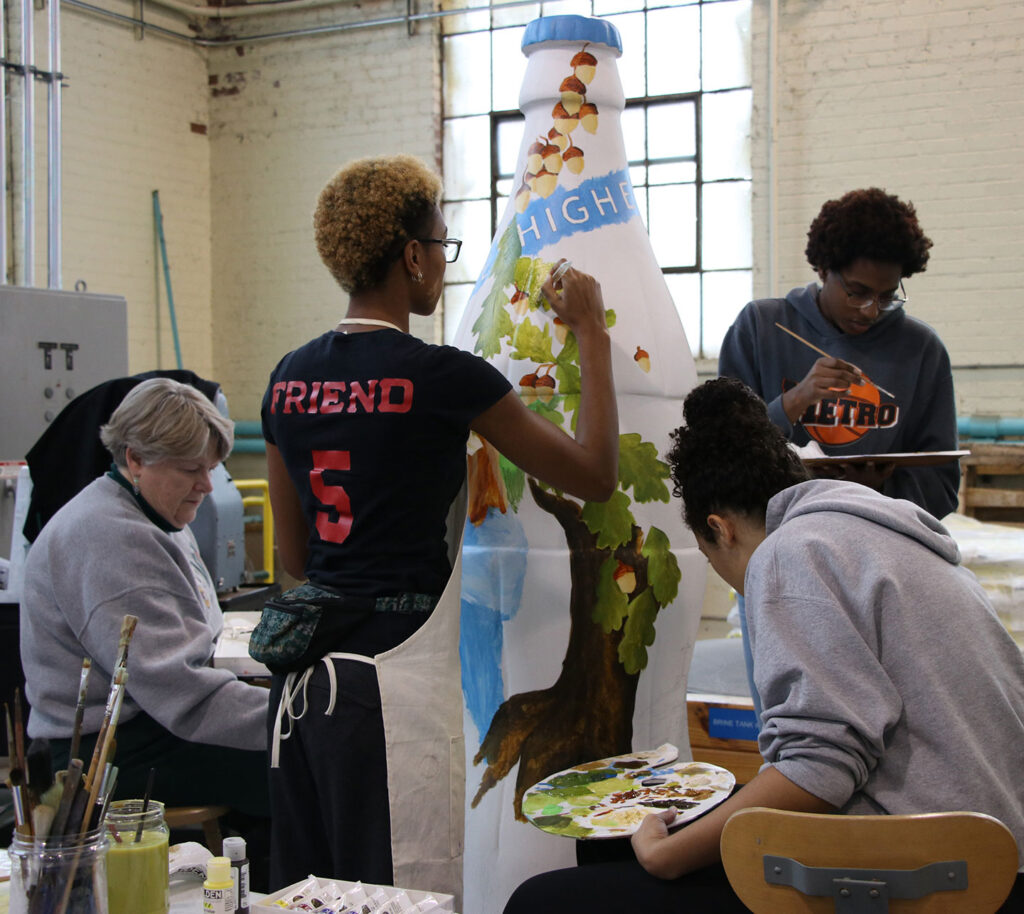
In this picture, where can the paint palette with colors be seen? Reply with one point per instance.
(609, 798)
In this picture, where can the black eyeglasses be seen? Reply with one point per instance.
(887, 301)
(452, 246)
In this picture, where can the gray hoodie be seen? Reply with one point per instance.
(899, 352)
(887, 681)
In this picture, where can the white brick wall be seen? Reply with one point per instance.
(128, 114)
(924, 98)
(304, 108)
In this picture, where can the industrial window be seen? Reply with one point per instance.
(686, 75)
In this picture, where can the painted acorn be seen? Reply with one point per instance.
(625, 577)
(522, 198)
(552, 158)
(528, 388)
(520, 302)
(544, 183)
(545, 388)
(558, 139)
(573, 158)
(565, 123)
(535, 156)
(573, 92)
(642, 358)
(584, 65)
(588, 117)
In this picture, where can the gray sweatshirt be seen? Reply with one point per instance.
(97, 559)
(888, 683)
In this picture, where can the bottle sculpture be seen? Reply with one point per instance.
(578, 619)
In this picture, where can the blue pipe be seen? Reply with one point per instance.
(985, 429)
(249, 428)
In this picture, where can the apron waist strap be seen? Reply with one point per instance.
(294, 687)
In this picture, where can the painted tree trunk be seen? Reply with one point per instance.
(578, 618)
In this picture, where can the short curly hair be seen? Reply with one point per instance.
(867, 223)
(729, 456)
(368, 212)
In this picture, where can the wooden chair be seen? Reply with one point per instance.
(935, 863)
(206, 816)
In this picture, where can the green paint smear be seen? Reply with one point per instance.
(562, 825)
(580, 778)
(613, 785)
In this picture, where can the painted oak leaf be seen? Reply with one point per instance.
(549, 411)
(515, 481)
(531, 342)
(610, 521)
(612, 605)
(662, 568)
(567, 374)
(529, 276)
(638, 633)
(494, 322)
(640, 468)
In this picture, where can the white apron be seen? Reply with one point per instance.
(421, 705)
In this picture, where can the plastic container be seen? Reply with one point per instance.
(219, 887)
(137, 870)
(43, 872)
(234, 850)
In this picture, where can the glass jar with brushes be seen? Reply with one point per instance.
(60, 873)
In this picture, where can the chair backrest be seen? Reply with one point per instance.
(949, 862)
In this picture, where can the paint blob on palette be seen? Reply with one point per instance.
(609, 798)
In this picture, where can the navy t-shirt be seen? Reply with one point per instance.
(372, 428)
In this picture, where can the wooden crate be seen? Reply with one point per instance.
(992, 485)
(740, 756)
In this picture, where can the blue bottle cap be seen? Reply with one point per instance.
(571, 28)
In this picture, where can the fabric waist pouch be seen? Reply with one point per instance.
(301, 625)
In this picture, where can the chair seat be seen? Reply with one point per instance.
(891, 845)
(206, 816)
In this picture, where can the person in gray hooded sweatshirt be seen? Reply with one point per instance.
(888, 683)
(886, 385)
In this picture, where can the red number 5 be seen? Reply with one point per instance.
(331, 531)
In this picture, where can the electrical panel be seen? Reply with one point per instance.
(54, 345)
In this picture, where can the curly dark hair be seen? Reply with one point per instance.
(867, 223)
(368, 212)
(729, 456)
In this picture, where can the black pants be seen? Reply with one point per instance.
(614, 886)
(329, 797)
(187, 774)
(624, 886)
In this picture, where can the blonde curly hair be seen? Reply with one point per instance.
(368, 212)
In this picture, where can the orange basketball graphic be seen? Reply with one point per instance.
(847, 417)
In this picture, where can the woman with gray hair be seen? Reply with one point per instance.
(122, 545)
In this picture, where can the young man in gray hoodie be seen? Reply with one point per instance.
(885, 385)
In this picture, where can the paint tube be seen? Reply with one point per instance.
(400, 904)
(299, 894)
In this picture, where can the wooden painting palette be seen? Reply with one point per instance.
(609, 798)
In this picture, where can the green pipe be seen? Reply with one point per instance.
(158, 219)
(249, 428)
(249, 446)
